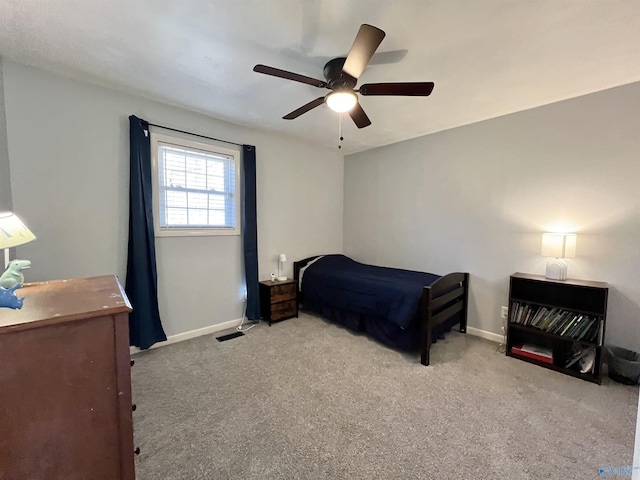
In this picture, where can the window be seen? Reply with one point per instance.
(196, 190)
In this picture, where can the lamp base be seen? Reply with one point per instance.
(556, 269)
(281, 279)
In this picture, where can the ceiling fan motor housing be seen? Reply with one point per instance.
(336, 78)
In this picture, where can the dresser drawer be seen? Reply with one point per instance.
(283, 310)
(280, 293)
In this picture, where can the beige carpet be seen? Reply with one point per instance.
(306, 399)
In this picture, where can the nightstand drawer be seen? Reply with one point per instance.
(280, 293)
(283, 310)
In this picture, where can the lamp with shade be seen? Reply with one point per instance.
(13, 233)
(558, 246)
(281, 259)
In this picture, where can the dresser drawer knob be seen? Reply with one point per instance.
(137, 451)
(134, 407)
(132, 362)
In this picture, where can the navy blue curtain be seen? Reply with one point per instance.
(250, 230)
(145, 327)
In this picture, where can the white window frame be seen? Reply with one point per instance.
(212, 147)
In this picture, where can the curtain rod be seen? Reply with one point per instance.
(194, 134)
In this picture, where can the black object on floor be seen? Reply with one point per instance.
(229, 336)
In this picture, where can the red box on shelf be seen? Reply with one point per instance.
(533, 351)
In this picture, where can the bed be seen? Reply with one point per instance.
(403, 309)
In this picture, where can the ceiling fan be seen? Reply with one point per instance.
(341, 75)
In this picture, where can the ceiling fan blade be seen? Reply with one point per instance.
(304, 109)
(364, 46)
(296, 77)
(359, 117)
(409, 89)
(392, 56)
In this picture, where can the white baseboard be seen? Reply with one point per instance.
(192, 334)
(494, 337)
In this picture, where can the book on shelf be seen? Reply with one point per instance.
(557, 321)
(544, 316)
(600, 333)
(514, 311)
(546, 323)
(535, 317)
(533, 351)
(575, 324)
(585, 328)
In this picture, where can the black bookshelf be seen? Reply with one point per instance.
(562, 316)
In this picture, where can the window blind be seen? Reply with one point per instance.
(196, 188)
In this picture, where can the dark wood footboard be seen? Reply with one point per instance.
(444, 298)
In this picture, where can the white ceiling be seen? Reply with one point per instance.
(487, 57)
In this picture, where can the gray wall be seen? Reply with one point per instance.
(5, 179)
(477, 198)
(68, 149)
(512, 178)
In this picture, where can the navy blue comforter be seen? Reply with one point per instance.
(386, 293)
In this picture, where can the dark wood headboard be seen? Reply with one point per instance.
(301, 264)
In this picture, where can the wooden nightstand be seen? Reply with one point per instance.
(278, 300)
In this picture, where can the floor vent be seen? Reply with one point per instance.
(229, 336)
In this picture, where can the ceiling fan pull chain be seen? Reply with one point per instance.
(340, 131)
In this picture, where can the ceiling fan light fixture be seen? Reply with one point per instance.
(341, 101)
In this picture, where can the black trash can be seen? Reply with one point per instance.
(624, 365)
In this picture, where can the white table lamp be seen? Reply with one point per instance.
(281, 259)
(13, 233)
(558, 246)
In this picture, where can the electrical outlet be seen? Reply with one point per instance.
(504, 311)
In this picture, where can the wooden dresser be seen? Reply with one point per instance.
(65, 383)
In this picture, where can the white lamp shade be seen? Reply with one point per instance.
(559, 245)
(341, 101)
(13, 232)
(281, 259)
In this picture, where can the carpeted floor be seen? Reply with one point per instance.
(306, 399)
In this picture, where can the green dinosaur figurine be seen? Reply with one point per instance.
(13, 276)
